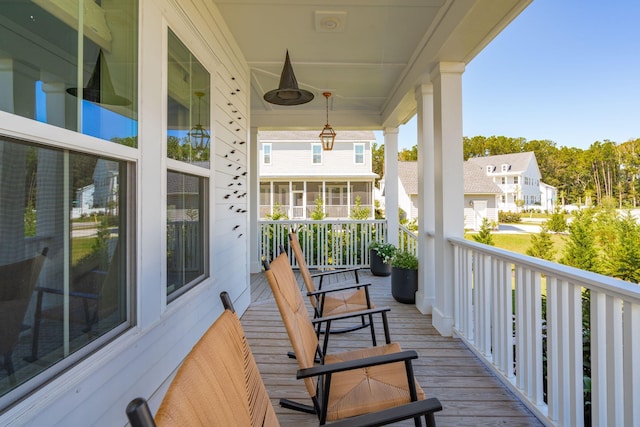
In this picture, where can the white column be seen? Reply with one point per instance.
(254, 202)
(449, 185)
(426, 200)
(152, 178)
(391, 184)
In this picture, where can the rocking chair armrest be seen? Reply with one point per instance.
(376, 310)
(88, 295)
(349, 365)
(392, 415)
(341, 270)
(338, 289)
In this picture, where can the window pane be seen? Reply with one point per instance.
(45, 78)
(73, 206)
(316, 154)
(266, 152)
(189, 88)
(186, 231)
(359, 153)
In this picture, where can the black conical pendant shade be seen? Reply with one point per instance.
(288, 92)
(100, 89)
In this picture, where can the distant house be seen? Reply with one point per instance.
(481, 197)
(518, 177)
(295, 172)
(481, 194)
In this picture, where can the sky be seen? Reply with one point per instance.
(567, 71)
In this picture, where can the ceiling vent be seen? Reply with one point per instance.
(330, 22)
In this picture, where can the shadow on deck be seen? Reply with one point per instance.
(470, 394)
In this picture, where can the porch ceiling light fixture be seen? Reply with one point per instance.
(288, 92)
(198, 136)
(100, 89)
(328, 135)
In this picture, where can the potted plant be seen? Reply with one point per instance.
(404, 277)
(380, 255)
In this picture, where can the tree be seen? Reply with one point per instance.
(580, 250)
(409, 155)
(358, 212)
(377, 160)
(278, 213)
(621, 258)
(557, 222)
(318, 212)
(484, 235)
(541, 245)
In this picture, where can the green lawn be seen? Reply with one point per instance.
(520, 242)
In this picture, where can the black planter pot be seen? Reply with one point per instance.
(378, 268)
(404, 284)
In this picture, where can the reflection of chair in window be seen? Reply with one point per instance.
(17, 281)
(93, 295)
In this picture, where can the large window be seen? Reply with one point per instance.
(45, 77)
(188, 140)
(186, 231)
(55, 309)
(188, 106)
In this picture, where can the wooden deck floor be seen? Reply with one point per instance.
(470, 394)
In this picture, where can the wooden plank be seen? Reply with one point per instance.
(470, 394)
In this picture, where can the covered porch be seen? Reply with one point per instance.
(470, 394)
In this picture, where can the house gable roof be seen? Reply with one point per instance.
(476, 180)
(408, 175)
(519, 162)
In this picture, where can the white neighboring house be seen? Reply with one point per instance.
(481, 194)
(548, 197)
(295, 171)
(518, 177)
(481, 197)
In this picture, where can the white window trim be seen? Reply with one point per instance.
(355, 155)
(264, 145)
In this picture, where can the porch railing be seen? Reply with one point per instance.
(566, 341)
(407, 240)
(326, 244)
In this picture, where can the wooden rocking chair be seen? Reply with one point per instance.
(219, 384)
(338, 299)
(345, 384)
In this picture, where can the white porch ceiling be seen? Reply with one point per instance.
(369, 53)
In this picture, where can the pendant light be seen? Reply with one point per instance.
(328, 135)
(198, 135)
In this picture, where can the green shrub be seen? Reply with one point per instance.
(509, 217)
(404, 259)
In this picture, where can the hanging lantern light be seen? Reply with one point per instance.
(328, 135)
(198, 136)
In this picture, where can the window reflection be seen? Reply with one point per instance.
(188, 117)
(186, 231)
(72, 207)
(44, 77)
